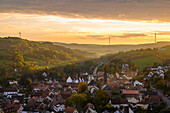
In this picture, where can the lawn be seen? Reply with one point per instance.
(145, 62)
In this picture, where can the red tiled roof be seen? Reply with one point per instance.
(90, 104)
(41, 86)
(35, 97)
(69, 110)
(136, 92)
(15, 106)
(55, 102)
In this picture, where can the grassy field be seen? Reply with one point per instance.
(145, 62)
(2, 53)
(4, 62)
(44, 66)
(37, 61)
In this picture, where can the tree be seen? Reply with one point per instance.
(110, 108)
(82, 87)
(165, 111)
(25, 82)
(18, 57)
(77, 101)
(101, 98)
(160, 84)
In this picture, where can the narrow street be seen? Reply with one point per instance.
(165, 99)
(95, 70)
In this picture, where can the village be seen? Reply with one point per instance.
(125, 94)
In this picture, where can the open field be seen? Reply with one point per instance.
(145, 62)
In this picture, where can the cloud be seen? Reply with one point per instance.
(163, 32)
(128, 35)
(146, 10)
(124, 35)
(95, 36)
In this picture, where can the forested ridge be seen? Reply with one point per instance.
(40, 53)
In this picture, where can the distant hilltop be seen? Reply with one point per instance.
(107, 49)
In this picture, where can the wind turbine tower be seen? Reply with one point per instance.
(155, 38)
(109, 40)
(20, 34)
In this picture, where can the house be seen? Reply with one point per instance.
(44, 74)
(65, 94)
(130, 93)
(155, 99)
(125, 67)
(93, 89)
(132, 100)
(137, 83)
(150, 93)
(118, 101)
(69, 80)
(13, 108)
(10, 91)
(40, 87)
(89, 108)
(58, 106)
(143, 104)
(168, 84)
(70, 110)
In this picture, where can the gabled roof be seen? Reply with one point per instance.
(69, 109)
(69, 80)
(130, 92)
(65, 94)
(92, 82)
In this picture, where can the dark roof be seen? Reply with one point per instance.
(10, 90)
(92, 82)
(150, 93)
(119, 100)
(65, 94)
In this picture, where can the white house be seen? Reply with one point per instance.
(69, 80)
(59, 107)
(44, 74)
(137, 83)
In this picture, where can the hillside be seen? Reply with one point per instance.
(107, 49)
(141, 58)
(41, 54)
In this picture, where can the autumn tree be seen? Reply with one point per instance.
(101, 98)
(77, 100)
(82, 87)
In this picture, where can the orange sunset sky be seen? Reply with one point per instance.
(86, 21)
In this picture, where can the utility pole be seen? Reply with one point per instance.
(20, 34)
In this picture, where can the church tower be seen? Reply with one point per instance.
(105, 76)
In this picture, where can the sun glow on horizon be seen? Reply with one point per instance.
(73, 30)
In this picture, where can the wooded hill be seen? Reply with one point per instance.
(41, 54)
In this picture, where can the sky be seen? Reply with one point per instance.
(86, 21)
